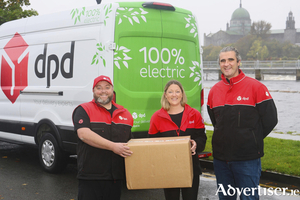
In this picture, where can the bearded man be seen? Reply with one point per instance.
(103, 128)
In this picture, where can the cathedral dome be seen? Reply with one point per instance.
(240, 13)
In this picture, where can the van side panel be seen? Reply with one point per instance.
(184, 42)
(60, 56)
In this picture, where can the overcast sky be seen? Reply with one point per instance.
(212, 15)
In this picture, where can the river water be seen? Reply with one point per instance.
(285, 91)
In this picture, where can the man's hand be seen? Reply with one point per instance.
(194, 146)
(93, 139)
(121, 149)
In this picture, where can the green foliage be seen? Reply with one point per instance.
(257, 51)
(211, 53)
(12, 9)
(244, 44)
(282, 156)
(254, 50)
(260, 29)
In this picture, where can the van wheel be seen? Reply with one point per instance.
(52, 158)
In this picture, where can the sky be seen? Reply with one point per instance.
(212, 15)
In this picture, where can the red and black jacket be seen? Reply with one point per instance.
(192, 124)
(243, 113)
(95, 163)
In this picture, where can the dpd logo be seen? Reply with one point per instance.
(45, 69)
(14, 66)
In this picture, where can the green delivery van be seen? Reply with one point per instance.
(48, 64)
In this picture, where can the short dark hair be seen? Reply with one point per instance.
(231, 48)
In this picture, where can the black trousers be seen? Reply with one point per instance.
(187, 193)
(99, 190)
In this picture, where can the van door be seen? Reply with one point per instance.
(13, 70)
(180, 38)
(153, 46)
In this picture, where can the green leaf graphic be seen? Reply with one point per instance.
(97, 56)
(120, 56)
(132, 15)
(108, 9)
(75, 13)
(196, 71)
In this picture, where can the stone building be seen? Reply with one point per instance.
(240, 26)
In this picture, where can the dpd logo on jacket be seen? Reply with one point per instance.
(14, 66)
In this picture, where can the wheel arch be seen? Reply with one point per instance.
(47, 126)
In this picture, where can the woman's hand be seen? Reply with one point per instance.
(194, 146)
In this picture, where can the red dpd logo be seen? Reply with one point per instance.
(14, 67)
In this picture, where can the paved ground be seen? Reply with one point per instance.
(21, 177)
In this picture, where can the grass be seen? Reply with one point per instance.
(282, 156)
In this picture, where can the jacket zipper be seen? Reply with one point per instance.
(178, 129)
(239, 119)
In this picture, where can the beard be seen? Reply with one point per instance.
(103, 102)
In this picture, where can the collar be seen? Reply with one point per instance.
(165, 114)
(234, 80)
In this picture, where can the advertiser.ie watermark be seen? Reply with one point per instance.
(278, 191)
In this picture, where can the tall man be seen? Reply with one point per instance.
(103, 128)
(243, 113)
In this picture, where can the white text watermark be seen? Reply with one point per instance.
(262, 191)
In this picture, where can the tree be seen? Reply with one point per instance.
(264, 53)
(12, 9)
(211, 53)
(257, 51)
(260, 29)
(244, 44)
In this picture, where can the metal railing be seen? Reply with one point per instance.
(282, 64)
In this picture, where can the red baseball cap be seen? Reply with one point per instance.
(102, 78)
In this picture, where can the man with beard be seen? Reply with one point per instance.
(103, 128)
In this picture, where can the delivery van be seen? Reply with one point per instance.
(48, 64)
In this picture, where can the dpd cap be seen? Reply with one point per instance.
(102, 78)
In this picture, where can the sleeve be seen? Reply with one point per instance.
(81, 119)
(210, 111)
(267, 110)
(199, 135)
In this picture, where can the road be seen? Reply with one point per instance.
(21, 177)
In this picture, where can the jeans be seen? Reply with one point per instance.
(238, 178)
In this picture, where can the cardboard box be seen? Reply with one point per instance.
(164, 162)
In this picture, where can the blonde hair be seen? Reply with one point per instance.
(165, 103)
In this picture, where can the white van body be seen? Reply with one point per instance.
(48, 64)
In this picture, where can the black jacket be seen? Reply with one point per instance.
(100, 164)
(243, 113)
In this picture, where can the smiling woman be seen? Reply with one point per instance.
(176, 118)
(174, 96)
